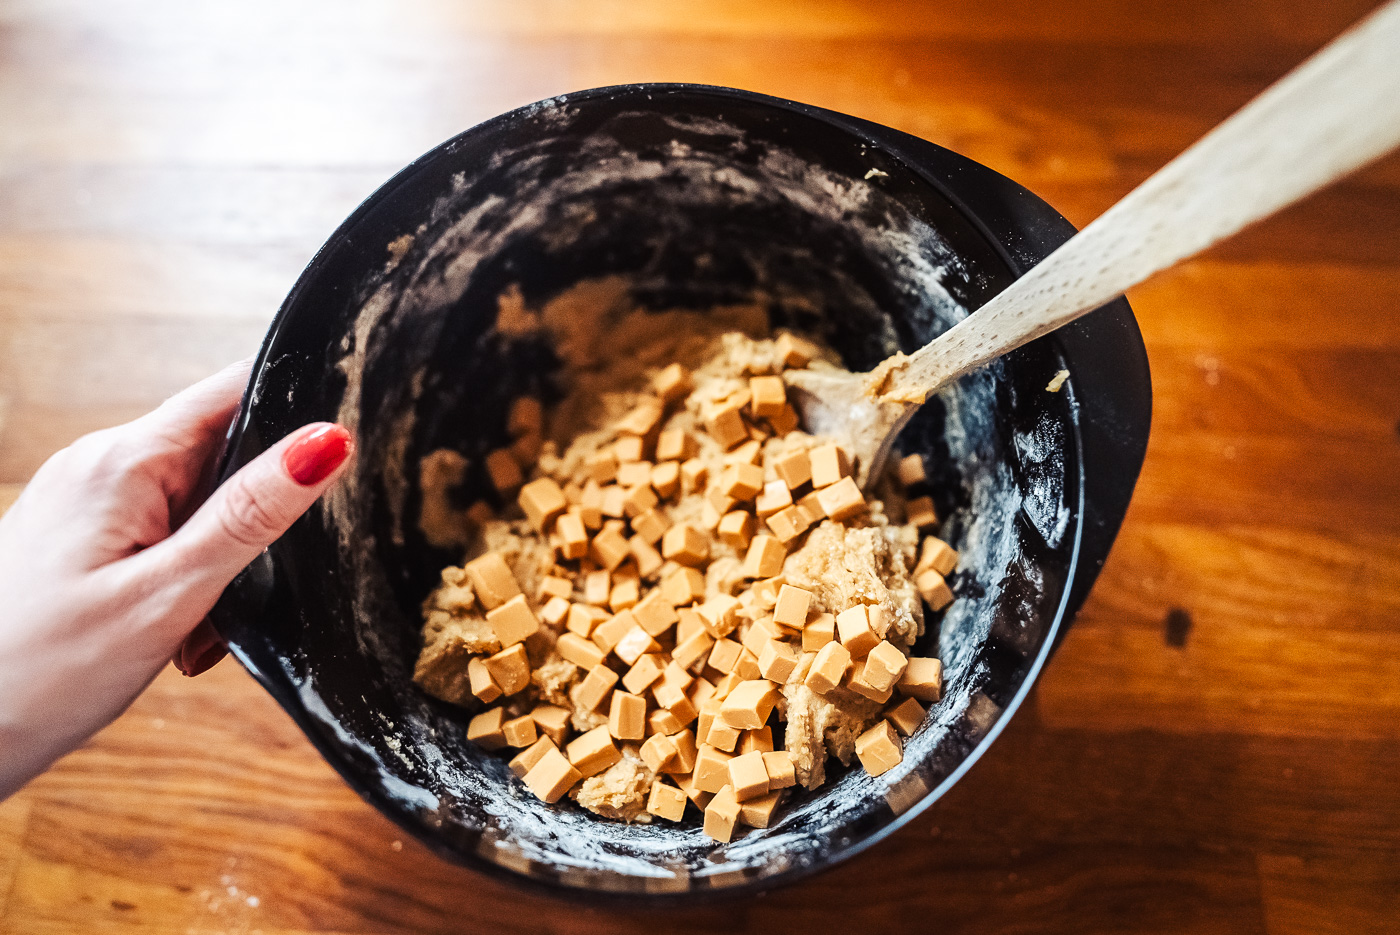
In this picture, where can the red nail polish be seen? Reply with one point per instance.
(313, 457)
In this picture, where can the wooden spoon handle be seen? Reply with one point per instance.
(1334, 113)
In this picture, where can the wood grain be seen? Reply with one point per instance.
(1214, 749)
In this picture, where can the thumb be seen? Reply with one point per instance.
(255, 506)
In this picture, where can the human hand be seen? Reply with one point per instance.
(109, 562)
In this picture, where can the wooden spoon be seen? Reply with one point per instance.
(1331, 115)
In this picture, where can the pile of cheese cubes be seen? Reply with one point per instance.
(690, 681)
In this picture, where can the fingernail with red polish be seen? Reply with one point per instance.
(313, 457)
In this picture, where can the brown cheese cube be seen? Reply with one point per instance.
(785, 421)
(639, 499)
(910, 470)
(853, 626)
(842, 500)
(791, 609)
(491, 580)
(688, 653)
(655, 614)
(741, 481)
(795, 469)
(666, 802)
(922, 678)
(725, 654)
(819, 631)
(760, 740)
(674, 445)
(663, 722)
(510, 668)
(701, 691)
(643, 673)
(683, 586)
(719, 502)
(758, 812)
(686, 751)
(641, 419)
(782, 773)
(526, 759)
(672, 382)
(685, 544)
(601, 466)
(634, 474)
(648, 559)
(513, 621)
(749, 705)
(692, 792)
(775, 497)
(936, 554)
(722, 814)
(609, 548)
(711, 772)
(573, 537)
(760, 632)
(750, 452)
(593, 752)
(542, 501)
(627, 449)
(811, 506)
(486, 729)
(627, 716)
(722, 737)
(693, 473)
(551, 777)
(590, 507)
(596, 586)
(583, 618)
(764, 558)
(721, 614)
(658, 752)
(596, 685)
(883, 666)
(483, 686)
(920, 512)
(504, 470)
(614, 502)
(768, 396)
(526, 417)
(829, 465)
(554, 586)
(746, 667)
(748, 776)
(519, 731)
(736, 529)
(788, 524)
(674, 700)
(625, 593)
(933, 588)
(777, 661)
(552, 721)
(634, 644)
(791, 352)
(906, 717)
(555, 611)
(606, 634)
(726, 425)
(879, 748)
(579, 650)
(666, 478)
(856, 682)
(828, 668)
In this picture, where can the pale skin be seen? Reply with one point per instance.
(109, 563)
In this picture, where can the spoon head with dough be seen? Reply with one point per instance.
(840, 405)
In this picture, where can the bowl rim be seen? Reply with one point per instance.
(1055, 228)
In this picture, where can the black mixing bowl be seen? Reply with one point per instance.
(863, 237)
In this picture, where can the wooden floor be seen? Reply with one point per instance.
(1215, 749)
